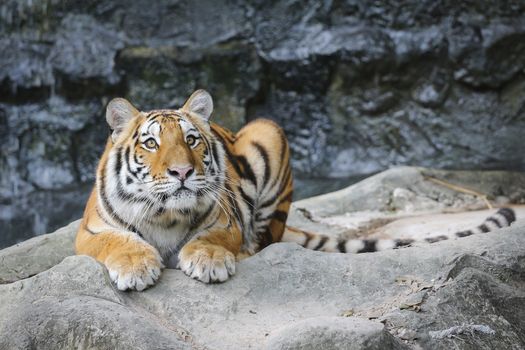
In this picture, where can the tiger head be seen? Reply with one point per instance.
(166, 158)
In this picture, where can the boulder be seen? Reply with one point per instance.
(73, 305)
(466, 293)
(333, 333)
(37, 254)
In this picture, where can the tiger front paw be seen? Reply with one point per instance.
(135, 267)
(207, 263)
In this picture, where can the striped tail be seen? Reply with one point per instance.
(502, 218)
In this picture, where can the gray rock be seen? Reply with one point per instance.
(326, 333)
(304, 285)
(73, 306)
(287, 297)
(37, 254)
(413, 189)
(24, 64)
(79, 53)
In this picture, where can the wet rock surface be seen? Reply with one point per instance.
(357, 85)
(285, 297)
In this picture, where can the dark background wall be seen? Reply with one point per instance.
(357, 85)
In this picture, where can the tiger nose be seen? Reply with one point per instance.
(181, 173)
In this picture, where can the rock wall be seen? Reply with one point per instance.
(357, 85)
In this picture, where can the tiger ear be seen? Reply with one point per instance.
(200, 103)
(118, 113)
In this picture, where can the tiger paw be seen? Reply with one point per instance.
(207, 263)
(136, 267)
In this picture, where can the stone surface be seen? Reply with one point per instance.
(333, 333)
(287, 297)
(37, 254)
(357, 85)
(74, 306)
(305, 285)
(404, 192)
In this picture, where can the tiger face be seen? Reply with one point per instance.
(172, 159)
(163, 158)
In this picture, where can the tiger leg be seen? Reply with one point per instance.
(131, 262)
(264, 146)
(211, 256)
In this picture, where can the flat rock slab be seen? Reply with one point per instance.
(74, 304)
(333, 333)
(403, 192)
(284, 297)
(37, 254)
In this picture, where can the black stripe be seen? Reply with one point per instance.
(283, 165)
(341, 245)
(269, 201)
(89, 230)
(280, 215)
(136, 159)
(128, 164)
(370, 246)
(230, 156)
(464, 233)
(118, 162)
(493, 220)
(249, 201)
(152, 116)
(247, 170)
(308, 239)
(321, 243)
(436, 239)
(265, 238)
(121, 192)
(214, 152)
(160, 210)
(403, 242)
(107, 204)
(272, 199)
(258, 216)
(287, 175)
(266, 159)
(484, 228)
(508, 214)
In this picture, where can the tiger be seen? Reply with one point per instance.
(175, 190)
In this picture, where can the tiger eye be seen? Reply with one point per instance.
(150, 143)
(190, 140)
